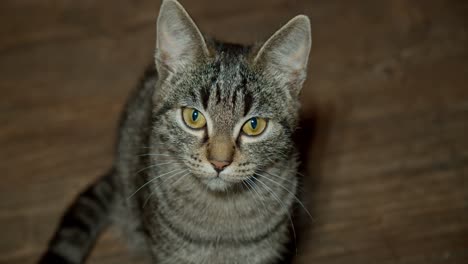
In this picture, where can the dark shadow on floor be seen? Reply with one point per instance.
(311, 139)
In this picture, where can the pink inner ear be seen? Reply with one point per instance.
(288, 49)
(179, 42)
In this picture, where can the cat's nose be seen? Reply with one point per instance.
(219, 165)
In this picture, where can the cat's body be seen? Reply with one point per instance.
(217, 193)
(189, 224)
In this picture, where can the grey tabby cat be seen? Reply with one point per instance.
(205, 170)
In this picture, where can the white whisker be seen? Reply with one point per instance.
(181, 177)
(286, 189)
(148, 182)
(290, 181)
(170, 177)
(283, 206)
(154, 165)
(156, 154)
(281, 178)
(252, 185)
(284, 167)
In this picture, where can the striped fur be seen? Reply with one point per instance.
(82, 223)
(163, 193)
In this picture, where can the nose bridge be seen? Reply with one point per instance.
(220, 148)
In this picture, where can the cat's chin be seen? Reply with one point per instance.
(217, 184)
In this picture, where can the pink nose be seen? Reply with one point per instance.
(219, 165)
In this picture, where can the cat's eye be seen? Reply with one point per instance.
(193, 118)
(254, 126)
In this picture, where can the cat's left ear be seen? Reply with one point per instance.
(285, 54)
(178, 41)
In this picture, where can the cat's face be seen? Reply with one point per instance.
(227, 112)
(224, 121)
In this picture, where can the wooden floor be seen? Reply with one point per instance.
(386, 100)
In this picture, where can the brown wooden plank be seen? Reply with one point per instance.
(387, 180)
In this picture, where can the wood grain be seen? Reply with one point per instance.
(387, 175)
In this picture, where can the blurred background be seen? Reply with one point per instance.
(387, 99)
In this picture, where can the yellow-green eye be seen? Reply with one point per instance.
(254, 126)
(193, 118)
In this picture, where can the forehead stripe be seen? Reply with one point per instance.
(248, 100)
(204, 97)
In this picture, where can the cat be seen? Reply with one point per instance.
(205, 168)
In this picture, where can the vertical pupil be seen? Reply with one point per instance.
(253, 123)
(194, 115)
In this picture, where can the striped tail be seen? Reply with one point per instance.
(82, 224)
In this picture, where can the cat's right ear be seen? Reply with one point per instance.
(178, 40)
(284, 55)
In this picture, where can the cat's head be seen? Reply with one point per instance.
(227, 111)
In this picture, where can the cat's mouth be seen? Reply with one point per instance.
(222, 181)
(218, 184)
(222, 184)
